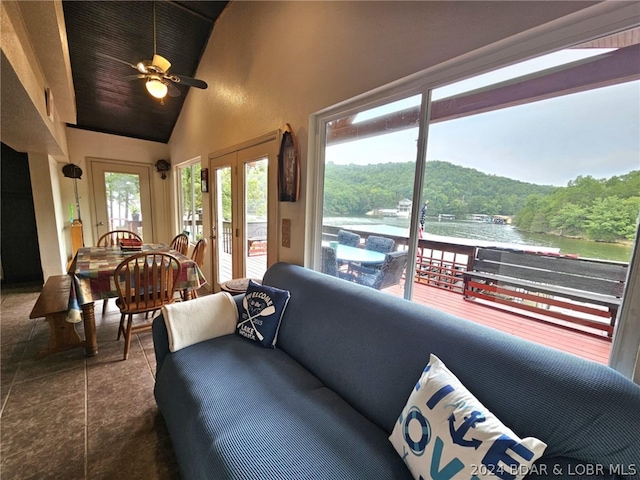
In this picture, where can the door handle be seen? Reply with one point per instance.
(99, 224)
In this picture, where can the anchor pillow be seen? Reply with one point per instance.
(445, 432)
(262, 310)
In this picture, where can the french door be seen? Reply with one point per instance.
(122, 199)
(240, 206)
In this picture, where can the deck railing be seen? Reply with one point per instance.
(439, 264)
(443, 265)
(254, 229)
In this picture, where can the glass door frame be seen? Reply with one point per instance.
(178, 195)
(228, 161)
(98, 166)
(315, 182)
(236, 157)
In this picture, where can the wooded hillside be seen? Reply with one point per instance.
(598, 209)
(604, 210)
(451, 189)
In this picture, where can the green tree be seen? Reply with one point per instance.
(611, 219)
(123, 194)
(256, 190)
(569, 220)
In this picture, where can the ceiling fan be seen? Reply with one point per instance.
(159, 82)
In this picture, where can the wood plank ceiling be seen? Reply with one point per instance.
(106, 101)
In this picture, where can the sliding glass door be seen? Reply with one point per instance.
(371, 160)
(541, 156)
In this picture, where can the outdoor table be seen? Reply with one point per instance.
(92, 270)
(237, 286)
(345, 253)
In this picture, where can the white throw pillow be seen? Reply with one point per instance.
(200, 319)
(444, 432)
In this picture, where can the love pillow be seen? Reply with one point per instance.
(262, 310)
(445, 432)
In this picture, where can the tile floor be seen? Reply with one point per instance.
(68, 416)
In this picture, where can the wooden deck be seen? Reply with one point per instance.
(255, 266)
(586, 345)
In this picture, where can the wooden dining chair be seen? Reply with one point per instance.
(114, 236)
(197, 256)
(110, 239)
(180, 243)
(145, 282)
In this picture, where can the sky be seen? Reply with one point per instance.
(550, 142)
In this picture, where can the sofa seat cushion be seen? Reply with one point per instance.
(236, 410)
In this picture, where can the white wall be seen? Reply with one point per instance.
(271, 63)
(26, 127)
(84, 144)
(49, 214)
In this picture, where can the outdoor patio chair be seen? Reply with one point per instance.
(330, 264)
(348, 238)
(389, 274)
(379, 244)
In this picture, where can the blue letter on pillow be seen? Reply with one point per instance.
(498, 453)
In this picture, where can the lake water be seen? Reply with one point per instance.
(491, 232)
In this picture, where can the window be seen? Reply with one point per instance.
(527, 157)
(370, 166)
(190, 207)
(123, 201)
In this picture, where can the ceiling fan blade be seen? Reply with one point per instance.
(134, 77)
(191, 82)
(104, 55)
(173, 90)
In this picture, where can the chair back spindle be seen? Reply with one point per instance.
(180, 243)
(113, 237)
(197, 256)
(199, 252)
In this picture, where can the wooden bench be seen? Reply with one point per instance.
(257, 242)
(53, 304)
(579, 291)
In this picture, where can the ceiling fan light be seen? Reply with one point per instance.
(156, 88)
(161, 62)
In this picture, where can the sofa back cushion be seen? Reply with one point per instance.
(370, 347)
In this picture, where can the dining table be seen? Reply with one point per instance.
(92, 271)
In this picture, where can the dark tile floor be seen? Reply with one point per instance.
(68, 416)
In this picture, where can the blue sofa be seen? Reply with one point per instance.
(323, 403)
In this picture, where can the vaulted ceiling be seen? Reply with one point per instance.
(124, 30)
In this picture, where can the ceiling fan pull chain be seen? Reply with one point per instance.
(154, 27)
